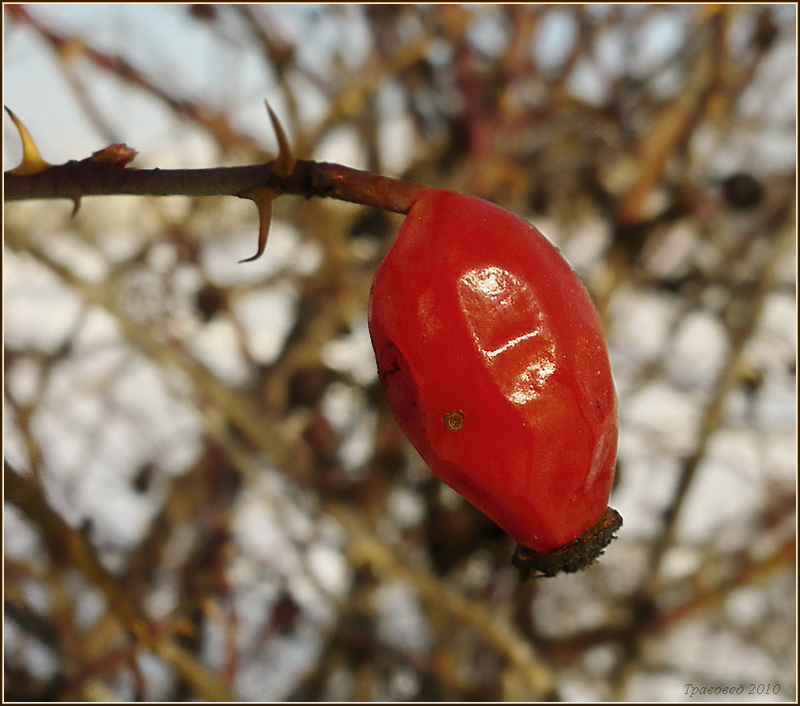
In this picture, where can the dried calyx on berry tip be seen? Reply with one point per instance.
(578, 554)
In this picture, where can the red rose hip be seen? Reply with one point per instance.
(494, 362)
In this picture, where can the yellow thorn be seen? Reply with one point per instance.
(32, 162)
(284, 164)
(262, 196)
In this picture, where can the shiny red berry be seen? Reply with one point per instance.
(494, 362)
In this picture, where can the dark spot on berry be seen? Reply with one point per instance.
(394, 368)
(454, 420)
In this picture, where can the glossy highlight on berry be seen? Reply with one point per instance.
(494, 362)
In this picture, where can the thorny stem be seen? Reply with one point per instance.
(74, 180)
(104, 173)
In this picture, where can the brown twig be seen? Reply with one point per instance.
(75, 180)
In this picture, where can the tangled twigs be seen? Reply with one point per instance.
(67, 542)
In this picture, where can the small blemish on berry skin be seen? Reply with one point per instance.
(392, 370)
(454, 420)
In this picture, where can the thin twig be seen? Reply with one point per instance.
(87, 177)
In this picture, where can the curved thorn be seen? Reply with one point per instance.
(263, 197)
(284, 164)
(32, 162)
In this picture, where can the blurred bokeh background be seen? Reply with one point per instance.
(206, 497)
